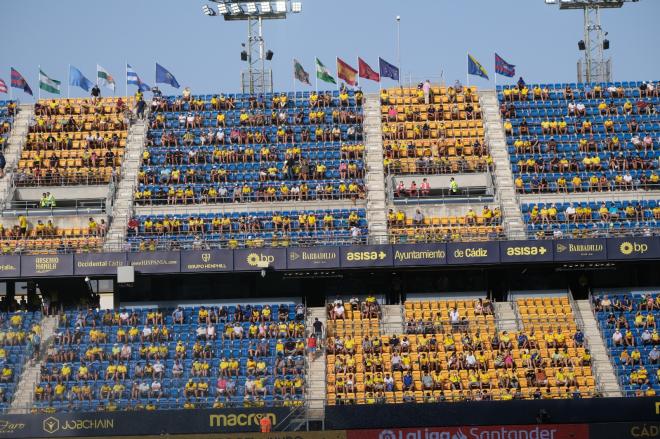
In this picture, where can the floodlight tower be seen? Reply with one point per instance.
(256, 78)
(595, 67)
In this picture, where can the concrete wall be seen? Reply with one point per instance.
(63, 193)
(442, 181)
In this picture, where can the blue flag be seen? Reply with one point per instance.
(165, 77)
(133, 79)
(504, 68)
(77, 79)
(474, 68)
(388, 70)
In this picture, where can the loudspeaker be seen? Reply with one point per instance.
(581, 45)
(244, 56)
(269, 55)
(606, 44)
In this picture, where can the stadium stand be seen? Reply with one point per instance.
(189, 357)
(452, 350)
(581, 137)
(581, 219)
(17, 334)
(74, 142)
(473, 226)
(248, 229)
(8, 110)
(628, 325)
(438, 133)
(240, 147)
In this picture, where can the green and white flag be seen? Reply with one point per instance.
(48, 84)
(105, 78)
(323, 74)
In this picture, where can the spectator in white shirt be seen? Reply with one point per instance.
(617, 338)
(210, 332)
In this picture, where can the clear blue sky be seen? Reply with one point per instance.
(203, 52)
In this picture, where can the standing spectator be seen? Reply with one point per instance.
(427, 91)
(3, 163)
(318, 327)
(453, 187)
(140, 108)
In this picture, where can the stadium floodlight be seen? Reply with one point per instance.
(235, 8)
(296, 7)
(265, 8)
(251, 8)
(593, 67)
(208, 11)
(222, 9)
(280, 6)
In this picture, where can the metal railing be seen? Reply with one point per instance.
(20, 178)
(74, 207)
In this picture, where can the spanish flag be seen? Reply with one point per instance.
(346, 72)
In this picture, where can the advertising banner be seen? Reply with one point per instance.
(544, 431)
(465, 253)
(160, 422)
(97, 263)
(633, 248)
(203, 261)
(10, 266)
(625, 430)
(526, 251)
(360, 256)
(411, 255)
(155, 262)
(46, 265)
(312, 258)
(592, 249)
(247, 259)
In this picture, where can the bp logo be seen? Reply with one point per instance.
(628, 248)
(51, 425)
(259, 260)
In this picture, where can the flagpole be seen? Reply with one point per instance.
(126, 76)
(294, 81)
(39, 82)
(68, 84)
(316, 75)
(337, 67)
(398, 46)
(467, 70)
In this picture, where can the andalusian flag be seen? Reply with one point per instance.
(323, 74)
(48, 84)
(105, 78)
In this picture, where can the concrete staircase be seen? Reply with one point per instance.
(495, 138)
(14, 147)
(506, 317)
(30, 376)
(123, 206)
(375, 177)
(392, 320)
(609, 384)
(316, 370)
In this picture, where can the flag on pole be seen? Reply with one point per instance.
(504, 68)
(105, 78)
(346, 72)
(3, 86)
(299, 72)
(474, 68)
(133, 79)
(388, 70)
(163, 76)
(366, 71)
(18, 81)
(322, 72)
(49, 84)
(76, 78)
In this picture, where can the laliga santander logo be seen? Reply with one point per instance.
(389, 434)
